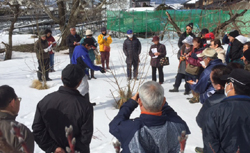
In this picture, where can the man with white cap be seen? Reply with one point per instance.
(203, 86)
(228, 123)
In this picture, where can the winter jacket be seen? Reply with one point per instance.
(39, 47)
(216, 98)
(193, 59)
(5, 126)
(91, 51)
(102, 42)
(183, 36)
(221, 54)
(155, 62)
(132, 50)
(70, 42)
(235, 51)
(81, 58)
(204, 85)
(61, 109)
(183, 63)
(227, 126)
(51, 39)
(148, 133)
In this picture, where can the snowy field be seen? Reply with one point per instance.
(21, 70)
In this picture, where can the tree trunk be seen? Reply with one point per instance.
(8, 54)
(62, 22)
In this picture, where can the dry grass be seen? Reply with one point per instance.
(39, 85)
(98, 59)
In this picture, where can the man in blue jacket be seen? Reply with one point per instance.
(203, 86)
(156, 130)
(81, 58)
(228, 123)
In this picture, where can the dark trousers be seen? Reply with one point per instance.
(105, 58)
(70, 57)
(161, 76)
(135, 70)
(178, 81)
(43, 63)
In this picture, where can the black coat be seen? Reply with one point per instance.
(132, 50)
(182, 37)
(216, 98)
(70, 42)
(236, 51)
(227, 126)
(155, 62)
(62, 108)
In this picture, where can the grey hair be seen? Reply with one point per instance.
(72, 28)
(152, 95)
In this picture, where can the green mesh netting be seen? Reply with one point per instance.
(155, 21)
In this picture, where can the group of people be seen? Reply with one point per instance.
(218, 79)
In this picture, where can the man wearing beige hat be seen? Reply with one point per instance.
(203, 86)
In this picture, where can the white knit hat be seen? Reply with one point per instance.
(188, 40)
(89, 32)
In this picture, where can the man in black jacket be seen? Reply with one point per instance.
(63, 108)
(185, 34)
(227, 124)
(132, 50)
(217, 95)
(72, 41)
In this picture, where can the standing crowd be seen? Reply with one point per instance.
(218, 79)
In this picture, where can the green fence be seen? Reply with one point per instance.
(155, 21)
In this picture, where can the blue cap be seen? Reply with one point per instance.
(129, 32)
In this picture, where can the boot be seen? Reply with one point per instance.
(47, 76)
(195, 99)
(199, 150)
(174, 90)
(39, 76)
(92, 74)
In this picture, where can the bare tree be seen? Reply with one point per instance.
(14, 7)
(67, 17)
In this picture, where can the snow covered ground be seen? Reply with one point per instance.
(21, 70)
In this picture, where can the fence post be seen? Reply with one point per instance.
(146, 24)
(119, 25)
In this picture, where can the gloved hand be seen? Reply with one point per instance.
(102, 70)
(104, 37)
(46, 50)
(182, 58)
(193, 55)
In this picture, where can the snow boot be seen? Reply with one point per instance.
(174, 90)
(198, 150)
(195, 99)
(39, 76)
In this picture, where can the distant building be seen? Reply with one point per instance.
(190, 4)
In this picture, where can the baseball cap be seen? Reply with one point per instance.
(238, 76)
